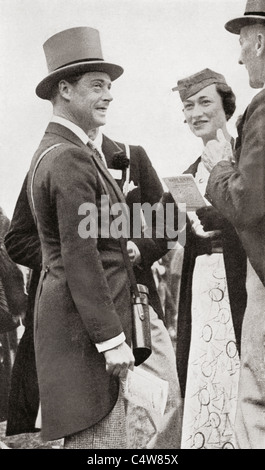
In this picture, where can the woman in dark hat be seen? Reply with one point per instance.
(212, 295)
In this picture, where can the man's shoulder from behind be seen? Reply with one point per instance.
(257, 100)
(115, 144)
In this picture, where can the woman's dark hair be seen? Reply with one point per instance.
(228, 99)
(72, 79)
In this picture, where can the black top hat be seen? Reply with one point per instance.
(254, 13)
(74, 51)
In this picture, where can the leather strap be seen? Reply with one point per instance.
(33, 175)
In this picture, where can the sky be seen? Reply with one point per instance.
(157, 42)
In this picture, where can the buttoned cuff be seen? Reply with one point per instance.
(110, 343)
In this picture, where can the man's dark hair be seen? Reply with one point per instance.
(228, 99)
(72, 79)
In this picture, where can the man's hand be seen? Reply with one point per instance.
(216, 151)
(119, 360)
(133, 252)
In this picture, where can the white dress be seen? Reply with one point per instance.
(213, 366)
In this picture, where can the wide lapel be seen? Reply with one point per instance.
(193, 167)
(104, 171)
(68, 135)
(109, 148)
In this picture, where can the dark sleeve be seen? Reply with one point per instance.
(22, 240)
(150, 184)
(150, 247)
(236, 269)
(167, 227)
(211, 219)
(12, 280)
(239, 191)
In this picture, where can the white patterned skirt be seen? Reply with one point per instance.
(213, 366)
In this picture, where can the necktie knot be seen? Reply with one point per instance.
(95, 150)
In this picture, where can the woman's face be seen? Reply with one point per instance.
(204, 113)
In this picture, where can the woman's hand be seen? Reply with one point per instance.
(216, 151)
(211, 219)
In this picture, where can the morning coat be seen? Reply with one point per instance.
(23, 245)
(238, 192)
(83, 296)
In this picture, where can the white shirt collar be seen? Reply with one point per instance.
(73, 127)
(97, 143)
(81, 134)
(98, 140)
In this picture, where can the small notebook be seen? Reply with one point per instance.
(185, 190)
(146, 390)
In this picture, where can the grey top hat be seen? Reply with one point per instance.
(254, 13)
(74, 51)
(191, 85)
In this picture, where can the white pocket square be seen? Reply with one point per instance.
(127, 187)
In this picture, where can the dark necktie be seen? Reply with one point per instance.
(96, 152)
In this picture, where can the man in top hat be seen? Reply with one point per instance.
(82, 324)
(238, 191)
(23, 245)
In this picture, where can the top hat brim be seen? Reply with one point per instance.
(44, 88)
(234, 26)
